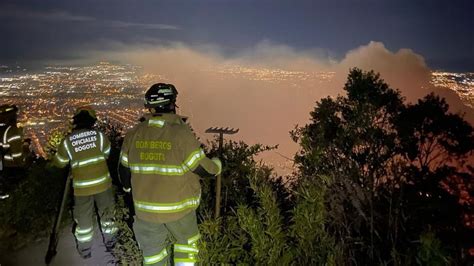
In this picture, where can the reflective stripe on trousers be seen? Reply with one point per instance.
(84, 235)
(155, 258)
(153, 239)
(189, 250)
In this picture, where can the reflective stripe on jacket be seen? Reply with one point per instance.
(86, 150)
(162, 152)
(12, 143)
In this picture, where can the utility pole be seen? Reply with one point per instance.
(221, 131)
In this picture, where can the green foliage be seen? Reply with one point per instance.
(54, 140)
(239, 161)
(223, 241)
(387, 161)
(264, 224)
(257, 233)
(313, 244)
(430, 251)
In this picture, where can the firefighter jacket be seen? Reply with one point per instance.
(12, 145)
(163, 156)
(86, 150)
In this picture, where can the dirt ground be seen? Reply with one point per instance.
(67, 255)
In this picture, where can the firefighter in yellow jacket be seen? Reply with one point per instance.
(13, 150)
(86, 151)
(12, 137)
(161, 162)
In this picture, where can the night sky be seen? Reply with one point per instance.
(39, 31)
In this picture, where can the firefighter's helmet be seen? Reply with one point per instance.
(86, 110)
(84, 117)
(161, 95)
(8, 114)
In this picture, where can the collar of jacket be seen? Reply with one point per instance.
(168, 118)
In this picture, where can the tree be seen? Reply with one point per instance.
(380, 153)
(436, 146)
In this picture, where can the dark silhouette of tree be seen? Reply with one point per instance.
(436, 146)
(388, 162)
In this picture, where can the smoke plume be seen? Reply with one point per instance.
(268, 90)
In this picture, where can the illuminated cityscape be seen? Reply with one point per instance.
(270, 75)
(461, 83)
(48, 98)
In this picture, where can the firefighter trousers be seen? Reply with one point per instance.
(84, 216)
(156, 240)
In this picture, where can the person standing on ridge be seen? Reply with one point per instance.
(13, 150)
(86, 150)
(161, 162)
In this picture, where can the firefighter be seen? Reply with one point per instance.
(12, 150)
(86, 151)
(161, 162)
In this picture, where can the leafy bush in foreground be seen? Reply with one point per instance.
(257, 234)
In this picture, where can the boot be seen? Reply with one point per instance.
(110, 244)
(85, 253)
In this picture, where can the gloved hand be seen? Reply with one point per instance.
(218, 163)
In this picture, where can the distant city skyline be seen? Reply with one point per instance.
(38, 32)
(47, 98)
